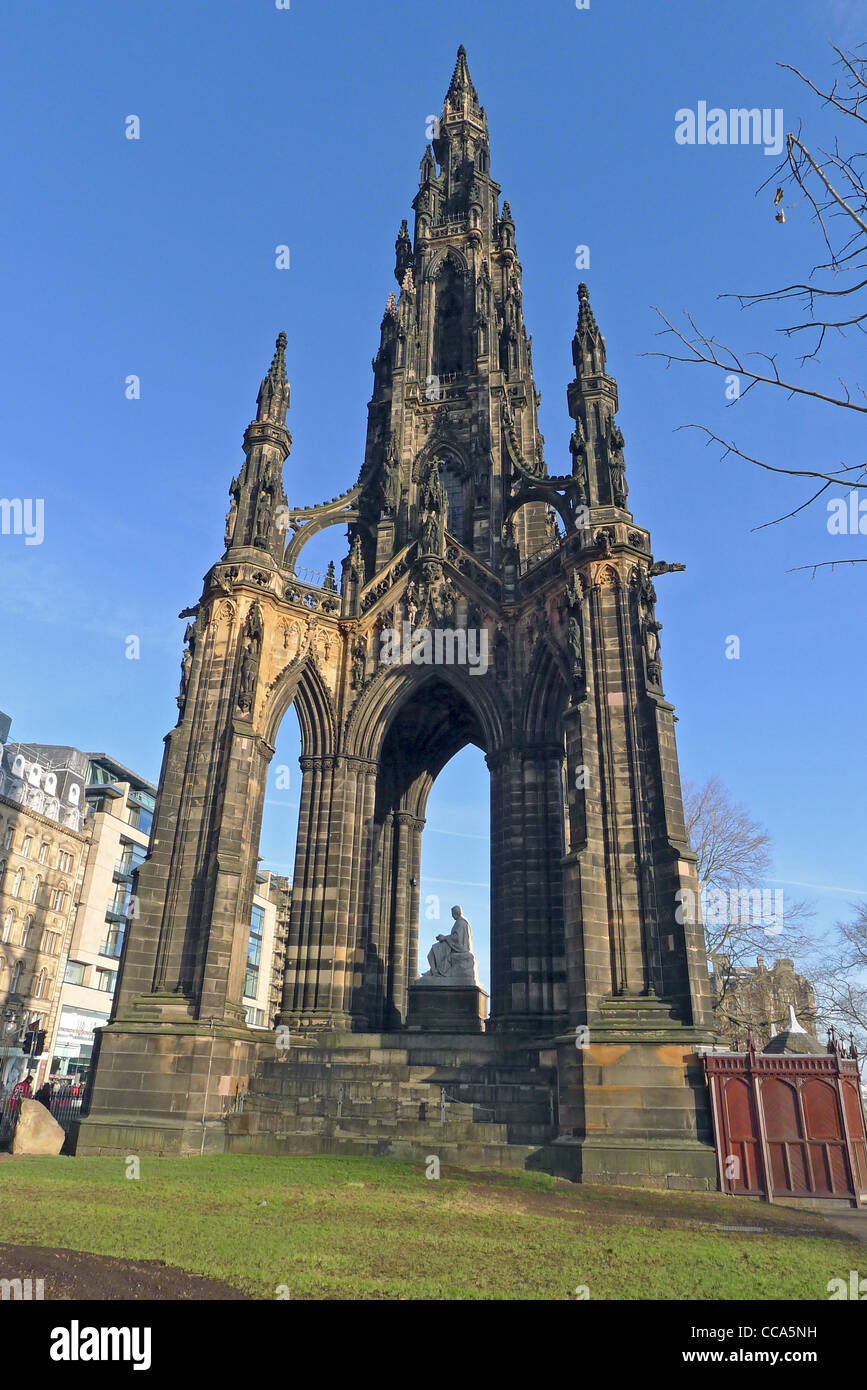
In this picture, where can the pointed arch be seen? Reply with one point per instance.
(448, 287)
(393, 686)
(450, 257)
(442, 443)
(546, 695)
(301, 683)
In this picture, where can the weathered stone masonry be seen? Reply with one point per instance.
(455, 522)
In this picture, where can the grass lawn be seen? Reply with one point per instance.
(348, 1228)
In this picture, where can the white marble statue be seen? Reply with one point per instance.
(451, 958)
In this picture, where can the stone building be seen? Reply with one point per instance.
(118, 824)
(67, 898)
(266, 950)
(759, 997)
(43, 850)
(487, 598)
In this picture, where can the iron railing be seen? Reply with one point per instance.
(66, 1102)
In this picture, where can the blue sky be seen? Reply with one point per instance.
(304, 127)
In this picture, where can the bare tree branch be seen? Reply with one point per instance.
(794, 512)
(822, 564)
(838, 476)
(705, 350)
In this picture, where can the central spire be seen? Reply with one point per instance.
(453, 377)
(461, 88)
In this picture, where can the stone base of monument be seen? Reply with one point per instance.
(633, 1103)
(446, 1008)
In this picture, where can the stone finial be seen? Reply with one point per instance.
(402, 251)
(588, 345)
(461, 84)
(273, 399)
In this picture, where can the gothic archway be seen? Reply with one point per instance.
(410, 724)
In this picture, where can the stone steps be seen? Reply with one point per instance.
(458, 1155)
(357, 1095)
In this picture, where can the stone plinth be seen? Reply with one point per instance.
(446, 1008)
(633, 1103)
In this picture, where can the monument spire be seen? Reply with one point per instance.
(257, 500)
(597, 442)
(272, 401)
(453, 377)
(588, 345)
(461, 89)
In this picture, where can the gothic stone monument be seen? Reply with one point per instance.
(457, 529)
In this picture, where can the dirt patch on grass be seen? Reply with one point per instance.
(71, 1275)
(620, 1206)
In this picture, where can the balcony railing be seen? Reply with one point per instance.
(112, 946)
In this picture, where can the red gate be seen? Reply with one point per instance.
(789, 1126)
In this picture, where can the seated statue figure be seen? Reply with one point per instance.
(451, 958)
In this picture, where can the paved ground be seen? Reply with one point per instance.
(70, 1275)
(852, 1223)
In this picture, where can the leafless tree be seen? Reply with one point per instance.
(832, 299)
(838, 970)
(734, 864)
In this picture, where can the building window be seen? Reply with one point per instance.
(255, 1017)
(140, 806)
(58, 900)
(99, 775)
(74, 973)
(41, 979)
(455, 493)
(448, 329)
(16, 886)
(7, 838)
(43, 852)
(113, 943)
(141, 818)
(25, 935)
(254, 952)
(131, 856)
(34, 891)
(16, 976)
(7, 924)
(105, 980)
(50, 943)
(122, 905)
(64, 862)
(25, 848)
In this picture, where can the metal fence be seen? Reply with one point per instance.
(65, 1106)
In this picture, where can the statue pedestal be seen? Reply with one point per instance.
(446, 1008)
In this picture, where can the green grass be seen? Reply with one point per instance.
(347, 1228)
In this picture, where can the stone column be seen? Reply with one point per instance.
(400, 908)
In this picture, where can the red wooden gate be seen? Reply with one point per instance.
(789, 1126)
